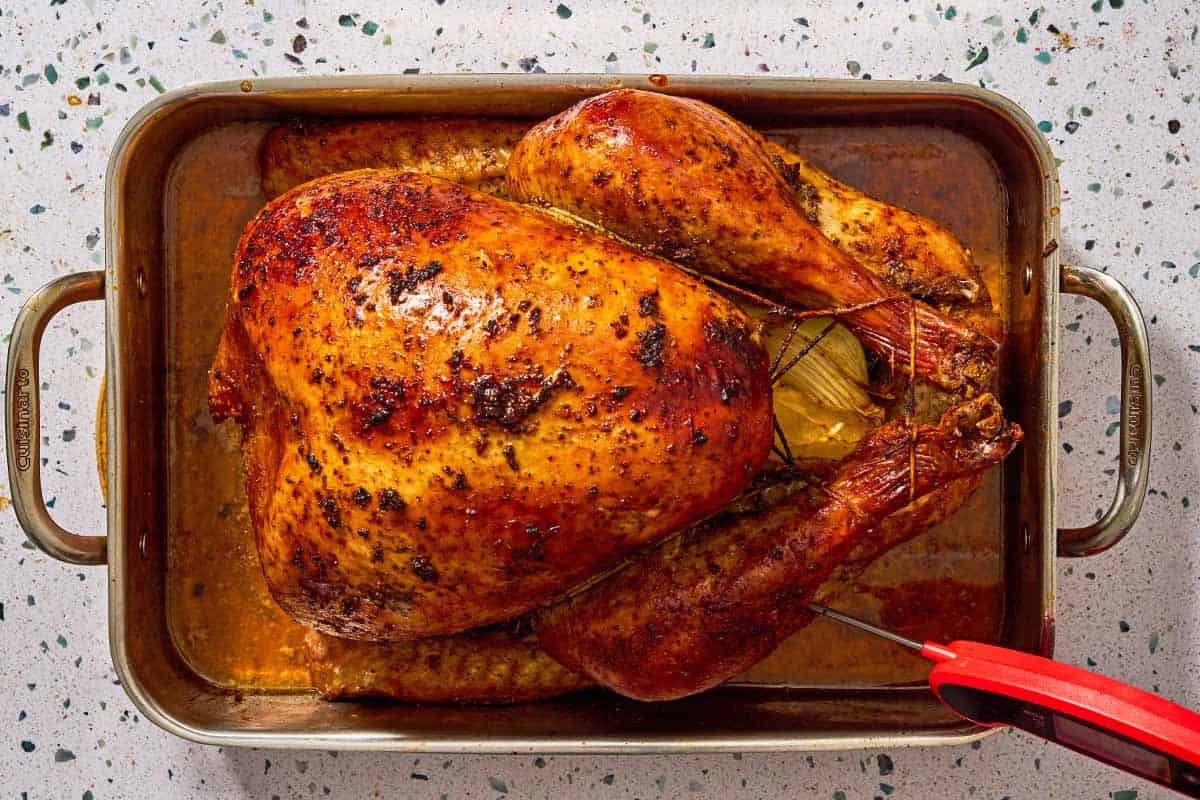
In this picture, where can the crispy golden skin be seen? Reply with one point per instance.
(454, 408)
(689, 182)
(697, 610)
(484, 667)
(912, 253)
(470, 151)
(909, 252)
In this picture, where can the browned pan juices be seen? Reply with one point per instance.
(946, 583)
(222, 618)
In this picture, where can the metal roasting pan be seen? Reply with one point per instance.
(137, 289)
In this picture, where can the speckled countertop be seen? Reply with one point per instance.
(1113, 84)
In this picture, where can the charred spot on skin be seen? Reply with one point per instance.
(618, 393)
(423, 568)
(698, 437)
(651, 343)
(352, 286)
(313, 463)
(737, 337)
(330, 511)
(648, 305)
(390, 500)
(509, 401)
(361, 497)
(510, 457)
(245, 291)
(460, 484)
(620, 326)
(364, 533)
(400, 283)
(602, 178)
(806, 194)
(455, 361)
(381, 402)
(728, 150)
(535, 319)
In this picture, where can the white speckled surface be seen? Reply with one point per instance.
(1130, 205)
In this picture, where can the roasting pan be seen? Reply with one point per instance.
(853, 123)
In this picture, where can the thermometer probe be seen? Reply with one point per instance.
(1109, 721)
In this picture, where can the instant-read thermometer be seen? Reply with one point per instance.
(1137, 731)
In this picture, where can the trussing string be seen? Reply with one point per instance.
(787, 448)
(777, 372)
(795, 476)
(798, 316)
(787, 342)
(808, 346)
(910, 404)
(846, 501)
(781, 310)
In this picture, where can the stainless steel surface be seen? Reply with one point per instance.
(23, 429)
(1133, 466)
(730, 718)
(855, 622)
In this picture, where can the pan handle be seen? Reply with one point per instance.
(1133, 468)
(22, 411)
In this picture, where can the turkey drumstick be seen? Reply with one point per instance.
(698, 610)
(688, 182)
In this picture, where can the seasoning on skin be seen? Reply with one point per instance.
(652, 341)
(424, 569)
(390, 500)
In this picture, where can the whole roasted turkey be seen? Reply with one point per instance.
(457, 410)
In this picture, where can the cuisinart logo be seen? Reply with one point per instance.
(1135, 389)
(23, 428)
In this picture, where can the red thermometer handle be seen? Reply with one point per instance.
(1135, 730)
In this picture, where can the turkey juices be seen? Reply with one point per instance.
(454, 408)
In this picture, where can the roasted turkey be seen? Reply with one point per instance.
(456, 410)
